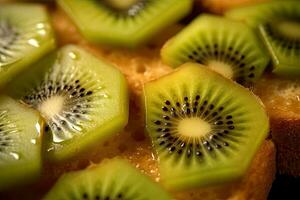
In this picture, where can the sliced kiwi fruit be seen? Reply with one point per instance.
(228, 47)
(113, 179)
(205, 128)
(279, 25)
(25, 36)
(83, 100)
(21, 130)
(126, 23)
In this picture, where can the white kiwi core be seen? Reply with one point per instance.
(52, 106)
(221, 68)
(193, 127)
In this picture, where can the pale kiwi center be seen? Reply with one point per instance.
(290, 29)
(193, 127)
(221, 68)
(52, 106)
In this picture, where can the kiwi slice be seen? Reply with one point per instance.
(113, 179)
(25, 36)
(205, 130)
(279, 25)
(127, 23)
(83, 100)
(20, 143)
(225, 46)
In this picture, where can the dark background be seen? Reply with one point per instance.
(285, 188)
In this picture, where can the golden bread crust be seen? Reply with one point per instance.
(282, 100)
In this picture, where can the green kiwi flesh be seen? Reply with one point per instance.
(25, 36)
(83, 100)
(278, 23)
(113, 179)
(20, 144)
(228, 47)
(134, 25)
(205, 128)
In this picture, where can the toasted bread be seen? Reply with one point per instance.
(282, 100)
(141, 66)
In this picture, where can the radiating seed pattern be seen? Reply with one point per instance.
(8, 134)
(81, 92)
(8, 36)
(119, 196)
(169, 139)
(15, 43)
(132, 12)
(242, 72)
(281, 40)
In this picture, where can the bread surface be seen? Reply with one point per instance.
(282, 100)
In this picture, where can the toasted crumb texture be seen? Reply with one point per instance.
(282, 100)
(140, 66)
(220, 6)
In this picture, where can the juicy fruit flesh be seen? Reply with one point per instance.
(16, 38)
(7, 135)
(285, 51)
(25, 36)
(290, 29)
(131, 27)
(232, 112)
(65, 105)
(278, 25)
(8, 35)
(20, 144)
(121, 5)
(113, 179)
(222, 68)
(137, 150)
(80, 105)
(220, 44)
(193, 127)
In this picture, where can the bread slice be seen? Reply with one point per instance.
(143, 65)
(282, 100)
(140, 66)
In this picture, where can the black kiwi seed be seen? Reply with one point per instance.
(157, 122)
(166, 117)
(216, 139)
(85, 196)
(164, 108)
